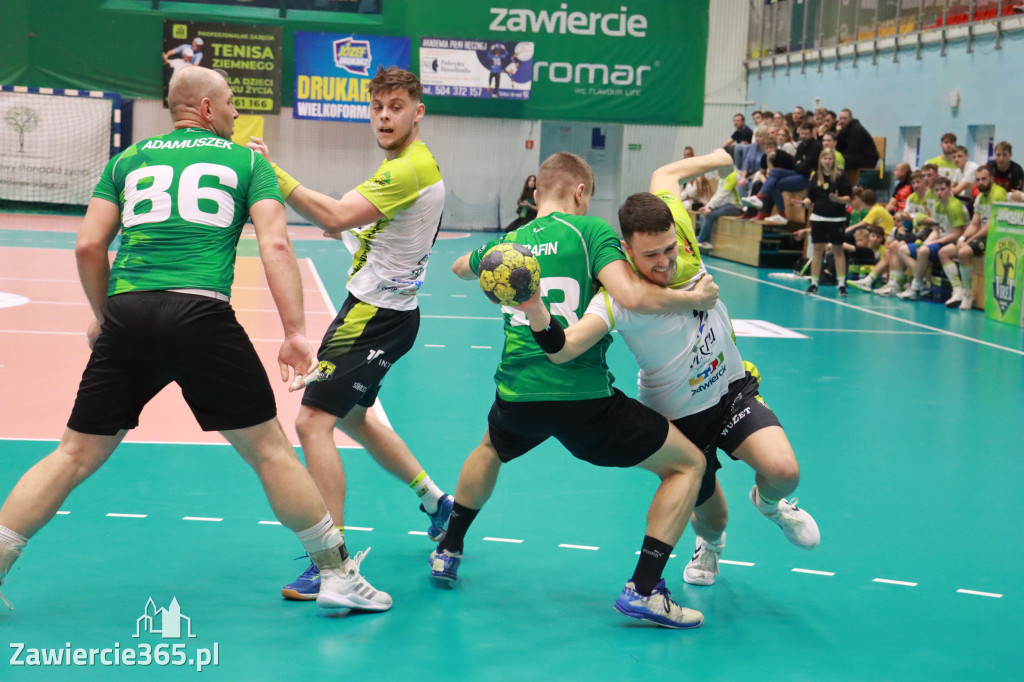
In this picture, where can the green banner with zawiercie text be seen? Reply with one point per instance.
(591, 60)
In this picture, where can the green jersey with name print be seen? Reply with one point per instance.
(949, 216)
(390, 256)
(184, 198)
(571, 250)
(983, 204)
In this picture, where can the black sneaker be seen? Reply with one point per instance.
(813, 289)
(842, 290)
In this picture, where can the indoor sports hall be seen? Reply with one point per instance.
(905, 415)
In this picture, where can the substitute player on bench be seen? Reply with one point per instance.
(692, 372)
(162, 315)
(390, 222)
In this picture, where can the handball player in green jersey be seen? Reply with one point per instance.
(162, 315)
(576, 403)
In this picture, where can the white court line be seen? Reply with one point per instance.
(894, 582)
(200, 518)
(518, 542)
(459, 317)
(735, 563)
(433, 345)
(865, 331)
(63, 513)
(417, 532)
(458, 295)
(128, 516)
(270, 523)
(807, 570)
(592, 549)
(481, 347)
(981, 594)
(871, 312)
(357, 528)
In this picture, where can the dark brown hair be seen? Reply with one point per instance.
(393, 78)
(644, 212)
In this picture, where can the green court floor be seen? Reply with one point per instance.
(906, 419)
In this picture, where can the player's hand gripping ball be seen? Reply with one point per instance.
(509, 274)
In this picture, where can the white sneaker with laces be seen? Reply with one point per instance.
(968, 301)
(889, 289)
(798, 526)
(864, 284)
(753, 201)
(777, 219)
(345, 588)
(957, 297)
(909, 294)
(703, 567)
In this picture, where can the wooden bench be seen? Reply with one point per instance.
(754, 242)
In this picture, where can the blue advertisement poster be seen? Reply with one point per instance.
(333, 71)
(455, 67)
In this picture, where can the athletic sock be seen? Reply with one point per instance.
(842, 281)
(654, 556)
(869, 278)
(427, 491)
(767, 505)
(814, 281)
(9, 537)
(461, 518)
(952, 274)
(965, 276)
(323, 535)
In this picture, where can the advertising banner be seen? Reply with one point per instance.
(333, 71)
(250, 55)
(1004, 264)
(453, 67)
(599, 60)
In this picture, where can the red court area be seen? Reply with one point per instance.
(43, 349)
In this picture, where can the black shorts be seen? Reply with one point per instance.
(362, 343)
(827, 232)
(152, 338)
(610, 432)
(977, 246)
(738, 414)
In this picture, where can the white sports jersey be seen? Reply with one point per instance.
(687, 361)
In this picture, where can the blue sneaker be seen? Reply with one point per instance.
(305, 588)
(657, 607)
(439, 519)
(444, 565)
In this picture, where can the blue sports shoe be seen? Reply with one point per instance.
(657, 607)
(439, 519)
(444, 565)
(306, 587)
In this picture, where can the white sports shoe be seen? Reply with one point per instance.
(864, 284)
(753, 201)
(8, 555)
(703, 567)
(956, 299)
(968, 301)
(797, 524)
(345, 588)
(889, 289)
(909, 294)
(777, 219)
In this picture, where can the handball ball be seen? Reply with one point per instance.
(509, 274)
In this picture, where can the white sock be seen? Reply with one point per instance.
(765, 507)
(9, 537)
(842, 281)
(321, 536)
(965, 277)
(427, 491)
(952, 274)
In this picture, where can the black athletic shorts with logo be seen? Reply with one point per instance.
(738, 414)
(152, 338)
(610, 432)
(362, 343)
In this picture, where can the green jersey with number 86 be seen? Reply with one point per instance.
(184, 198)
(571, 250)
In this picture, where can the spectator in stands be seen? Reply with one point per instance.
(796, 117)
(963, 178)
(902, 189)
(807, 151)
(828, 141)
(779, 120)
(784, 140)
(857, 211)
(876, 215)
(828, 194)
(1006, 172)
(972, 242)
(945, 162)
(756, 116)
(739, 142)
(854, 142)
(781, 176)
(697, 192)
(688, 152)
(725, 202)
(526, 208)
(752, 161)
(947, 225)
(826, 120)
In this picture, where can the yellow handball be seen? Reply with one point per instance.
(509, 273)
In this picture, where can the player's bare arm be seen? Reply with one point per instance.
(285, 285)
(461, 268)
(333, 215)
(636, 294)
(667, 178)
(99, 227)
(579, 337)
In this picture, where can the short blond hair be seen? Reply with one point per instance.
(561, 173)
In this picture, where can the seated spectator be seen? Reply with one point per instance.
(875, 215)
(739, 141)
(862, 252)
(724, 202)
(756, 117)
(752, 161)
(826, 121)
(697, 192)
(784, 140)
(806, 157)
(796, 117)
(857, 211)
(828, 194)
(779, 120)
(972, 242)
(854, 142)
(919, 206)
(1006, 172)
(963, 178)
(946, 227)
(781, 177)
(902, 189)
(526, 208)
(945, 162)
(828, 141)
(688, 152)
